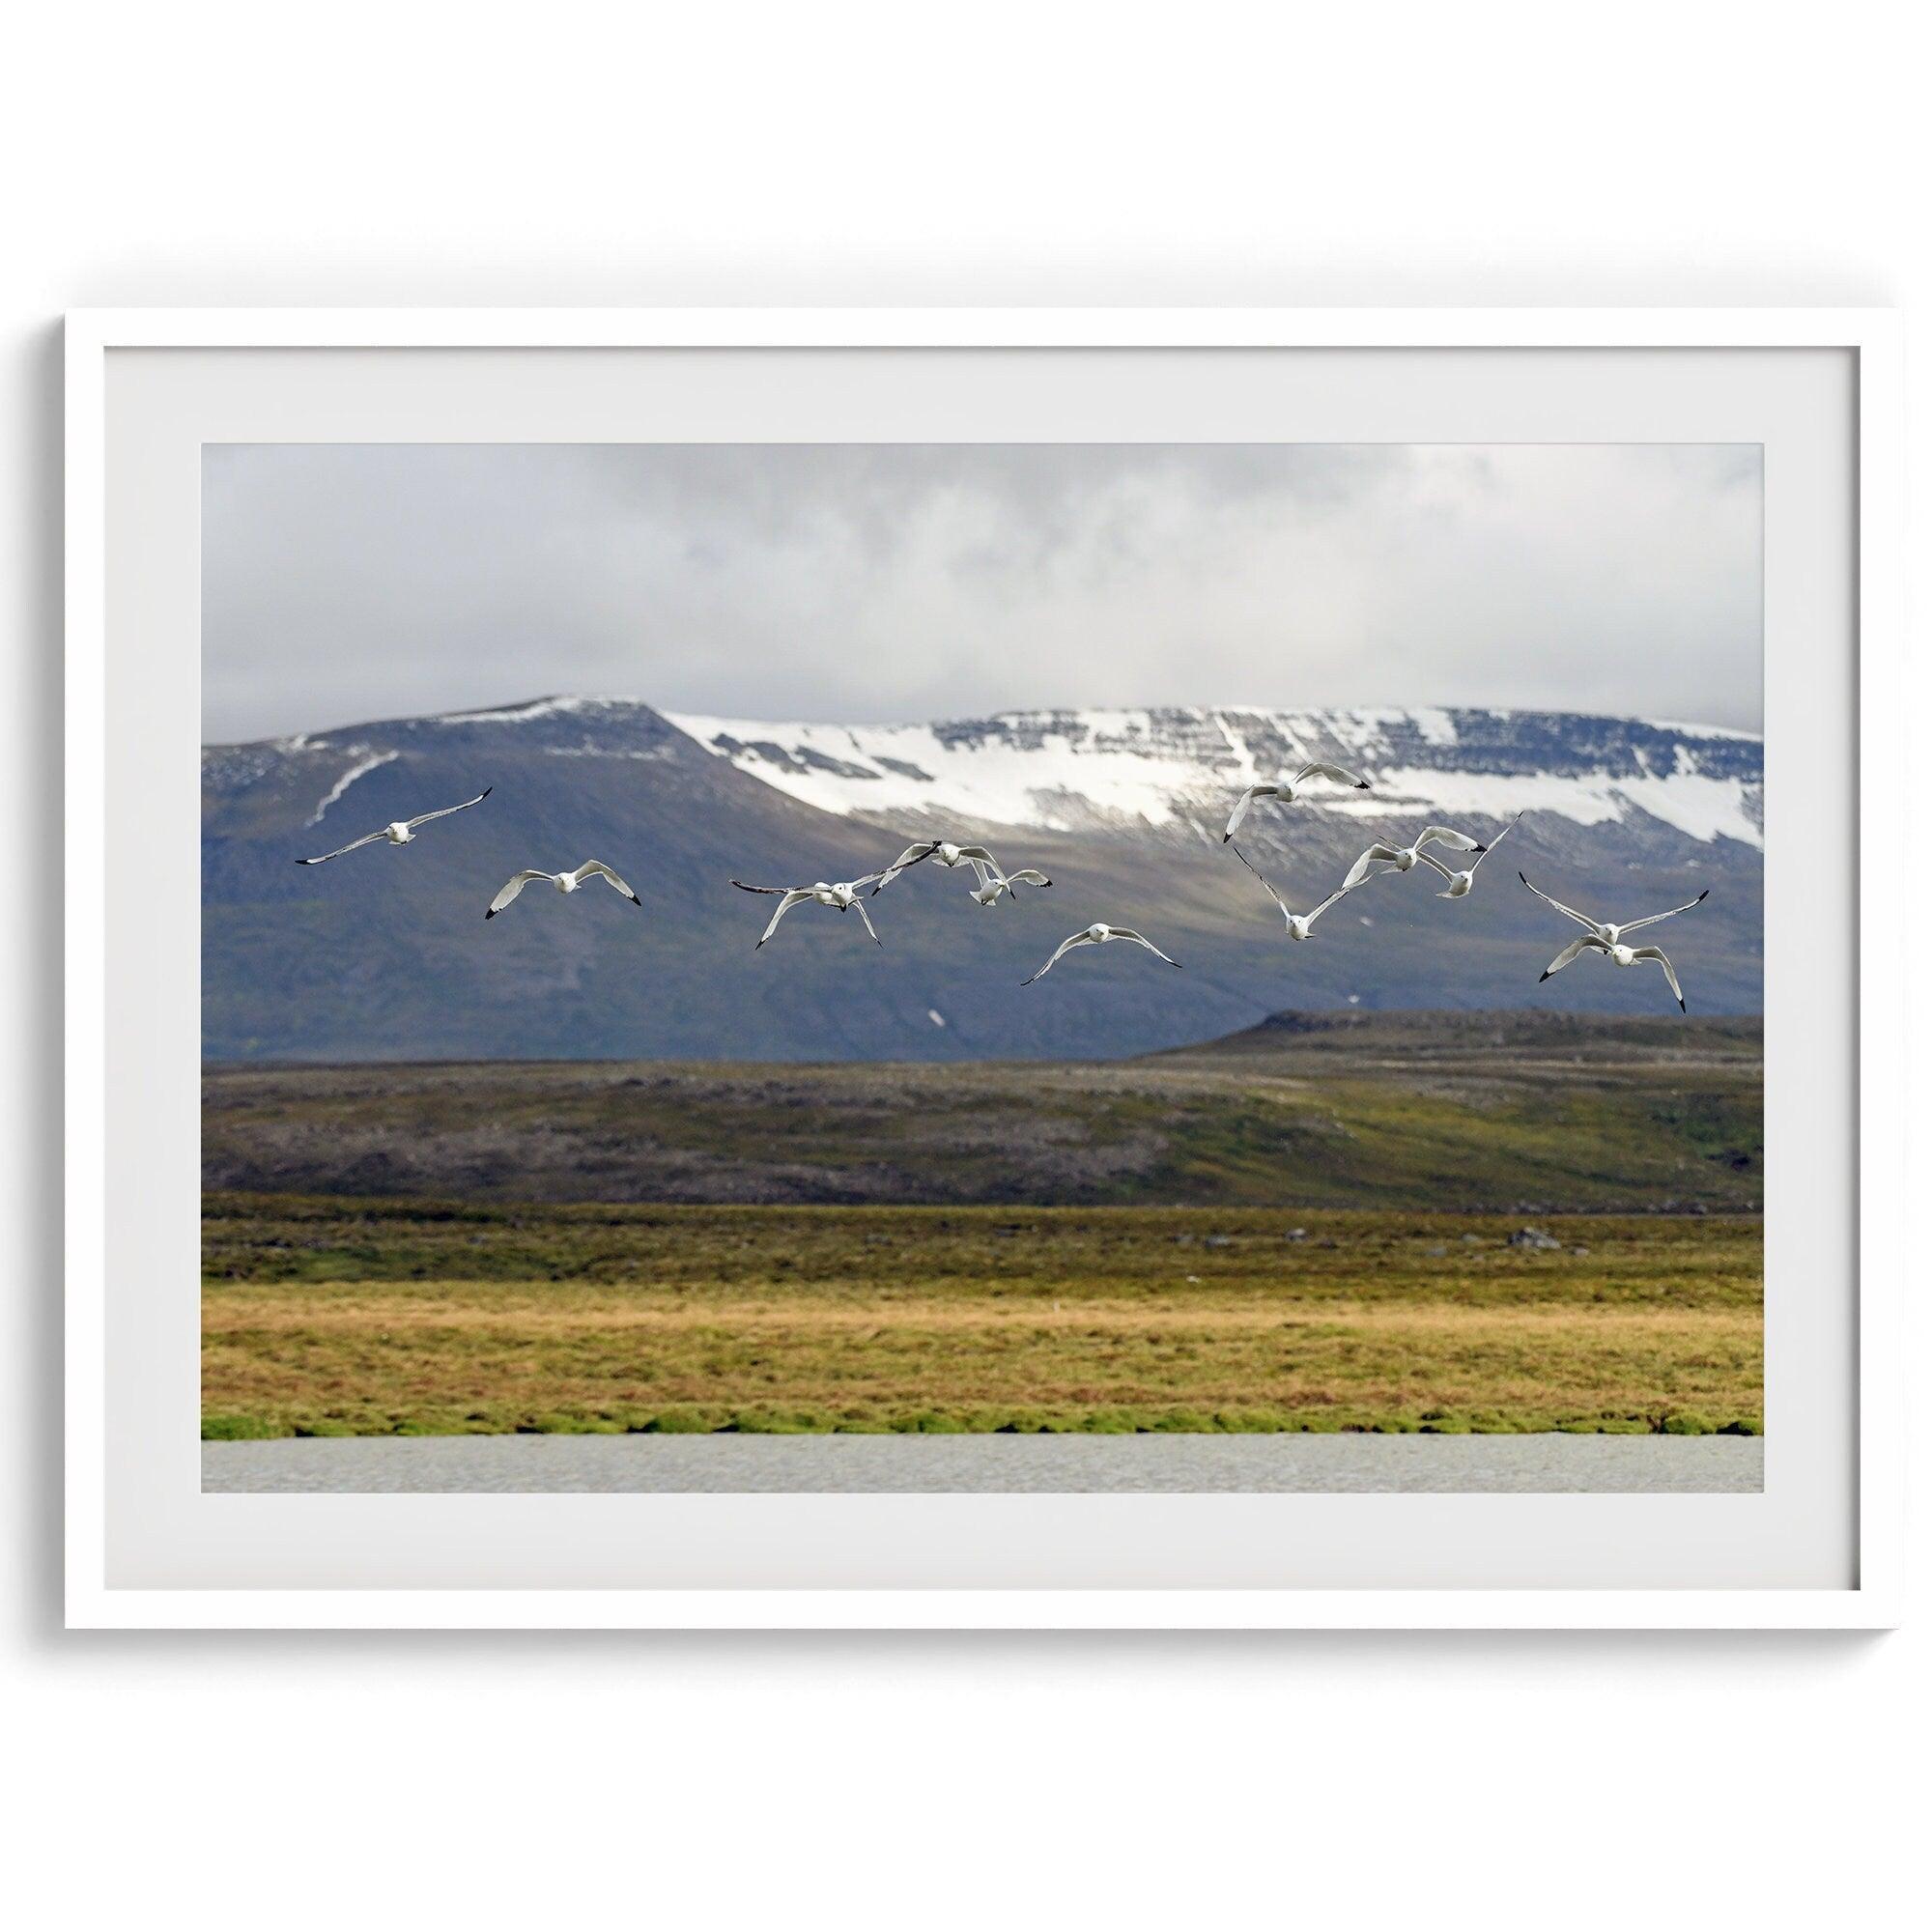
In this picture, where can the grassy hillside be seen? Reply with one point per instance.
(1475, 1111)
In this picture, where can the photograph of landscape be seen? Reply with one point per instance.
(527, 1164)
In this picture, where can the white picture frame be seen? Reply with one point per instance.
(96, 1440)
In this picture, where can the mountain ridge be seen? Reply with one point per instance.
(373, 956)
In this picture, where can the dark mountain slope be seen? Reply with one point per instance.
(385, 953)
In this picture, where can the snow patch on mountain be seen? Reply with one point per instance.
(360, 769)
(1049, 772)
(524, 714)
(1698, 806)
(1069, 771)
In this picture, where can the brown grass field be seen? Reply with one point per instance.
(332, 1316)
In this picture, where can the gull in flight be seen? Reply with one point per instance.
(564, 882)
(844, 897)
(1460, 882)
(1287, 791)
(1298, 923)
(1096, 936)
(993, 883)
(402, 831)
(1604, 934)
(944, 852)
(1405, 857)
(1618, 955)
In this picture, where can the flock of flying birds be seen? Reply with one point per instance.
(991, 884)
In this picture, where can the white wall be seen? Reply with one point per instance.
(359, 153)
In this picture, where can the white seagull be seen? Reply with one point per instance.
(1460, 882)
(1405, 857)
(943, 851)
(402, 831)
(844, 897)
(1618, 955)
(993, 883)
(1604, 934)
(564, 882)
(1298, 923)
(1287, 791)
(1097, 934)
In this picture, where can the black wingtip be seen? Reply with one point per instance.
(304, 861)
(1540, 977)
(484, 794)
(1362, 784)
(1525, 882)
(1482, 848)
(1682, 1008)
(490, 915)
(1703, 895)
(635, 900)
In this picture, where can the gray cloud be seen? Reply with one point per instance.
(866, 581)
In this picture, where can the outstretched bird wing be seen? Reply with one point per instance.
(793, 895)
(1241, 803)
(1570, 953)
(425, 817)
(1568, 912)
(595, 868)
(911, 856)
(1447, 834)
(1497, 840)
(510, 891)
(1669, 972)
(351, 846)
(1359, 871)
(1340, 892)
(1269, 889)
(1060, 952)
(858, 906)
(1631, 925)
(1028, 875)
(1339, 773)
(1140, 939)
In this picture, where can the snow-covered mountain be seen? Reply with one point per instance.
(1073, 771)
(385, 953)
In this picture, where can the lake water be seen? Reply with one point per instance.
(630, 1465)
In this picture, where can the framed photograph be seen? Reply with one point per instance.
(983, 969)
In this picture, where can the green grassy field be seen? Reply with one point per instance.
(1238, 1235)
(378, 1316)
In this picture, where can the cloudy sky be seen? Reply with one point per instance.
(881, 581)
